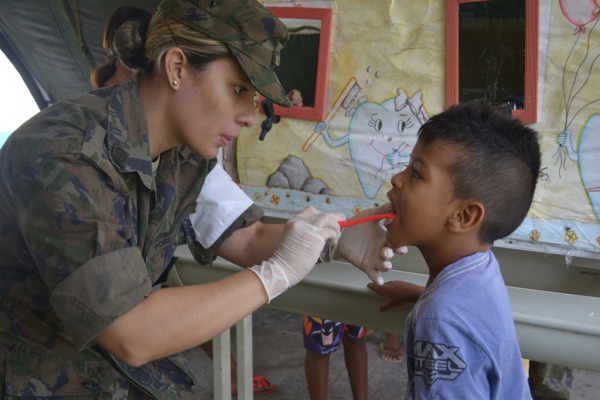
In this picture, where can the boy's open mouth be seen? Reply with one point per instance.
(388, 221)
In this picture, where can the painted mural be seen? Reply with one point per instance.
(387, 77)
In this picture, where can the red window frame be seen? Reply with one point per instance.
(529, 112)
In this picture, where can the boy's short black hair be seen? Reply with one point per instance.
(499, 166)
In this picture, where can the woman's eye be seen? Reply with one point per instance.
(239, 90)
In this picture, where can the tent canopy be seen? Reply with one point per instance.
(54, 44)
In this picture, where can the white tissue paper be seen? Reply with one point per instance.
(220, 202)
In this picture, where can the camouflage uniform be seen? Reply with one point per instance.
(87, 230)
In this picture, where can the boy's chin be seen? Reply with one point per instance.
(393, 241)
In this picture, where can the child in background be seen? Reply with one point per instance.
(391, 349)
(470, 181)
(322, 337)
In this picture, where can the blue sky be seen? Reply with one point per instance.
(16, 103)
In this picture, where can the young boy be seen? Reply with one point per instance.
(470, 181)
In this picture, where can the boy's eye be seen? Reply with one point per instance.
(414, 173)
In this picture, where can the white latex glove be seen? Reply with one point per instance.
(304, 237)
(365, 245)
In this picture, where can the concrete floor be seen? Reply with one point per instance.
(279, 355)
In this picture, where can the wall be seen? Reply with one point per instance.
(388, 59)
(392, 54)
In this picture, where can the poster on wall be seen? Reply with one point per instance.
(566, 212)
(388, 78)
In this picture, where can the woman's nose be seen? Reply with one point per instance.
(248, 117)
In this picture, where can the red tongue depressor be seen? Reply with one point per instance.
(376, 217)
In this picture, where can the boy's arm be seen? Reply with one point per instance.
(399, 293)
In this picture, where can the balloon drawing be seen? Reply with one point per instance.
(580, 12)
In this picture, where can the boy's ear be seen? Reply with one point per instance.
(468, 216)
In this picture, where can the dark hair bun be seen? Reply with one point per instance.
(129, 42)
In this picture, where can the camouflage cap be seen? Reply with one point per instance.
(254, 36)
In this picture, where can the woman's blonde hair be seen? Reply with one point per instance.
(144, 48)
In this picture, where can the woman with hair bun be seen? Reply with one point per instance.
(98, 192)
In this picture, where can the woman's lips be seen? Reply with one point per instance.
(225, 140)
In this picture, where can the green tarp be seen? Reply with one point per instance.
(54, 44)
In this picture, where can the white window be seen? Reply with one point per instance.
(16, 103)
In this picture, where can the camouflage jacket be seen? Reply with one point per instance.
(87, 230)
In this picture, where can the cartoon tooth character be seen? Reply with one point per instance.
(381, 137)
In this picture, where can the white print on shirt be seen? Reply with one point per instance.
(437, 361)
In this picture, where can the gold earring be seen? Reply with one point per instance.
(175, 83)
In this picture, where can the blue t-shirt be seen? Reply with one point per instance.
(460, 339)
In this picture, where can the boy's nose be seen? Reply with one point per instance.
(396, 180)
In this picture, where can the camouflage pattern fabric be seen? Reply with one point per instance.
(550, 381)
(254, 36)
(87, 229)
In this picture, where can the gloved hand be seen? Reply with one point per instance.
(304, 237)
(365, 245)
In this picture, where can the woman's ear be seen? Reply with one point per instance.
(174, 62)
(469, 215)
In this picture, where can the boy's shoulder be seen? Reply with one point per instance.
(462, 282)
(463, 295)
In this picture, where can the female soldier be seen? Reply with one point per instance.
(98, 192)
